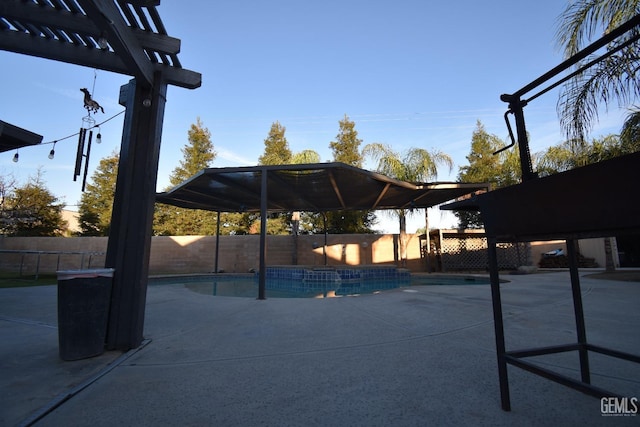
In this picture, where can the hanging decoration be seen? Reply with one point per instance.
(85, 135)
(91, 105)
(84, 140)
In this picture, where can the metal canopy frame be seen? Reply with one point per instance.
(316, 187)
(126, 37)
(592, 201)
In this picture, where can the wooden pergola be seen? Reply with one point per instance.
(125, 37)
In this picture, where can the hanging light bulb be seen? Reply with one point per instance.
(103, 43)
(98, 137)
(16, 157)
(52, 153)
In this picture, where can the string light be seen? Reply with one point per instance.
(52, 153)
(103, 43)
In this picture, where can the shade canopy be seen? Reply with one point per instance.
(317, 187)
(12, 137)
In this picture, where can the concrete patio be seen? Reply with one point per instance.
(407, 357)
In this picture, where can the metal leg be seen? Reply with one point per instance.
(498, 324)
(572, 254)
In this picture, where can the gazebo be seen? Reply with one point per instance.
(318, 187)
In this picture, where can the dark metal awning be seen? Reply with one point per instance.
(12, 137)
(317, 187)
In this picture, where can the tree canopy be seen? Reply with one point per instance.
(276, 147)
(31, 210)
(499, 170)
(416, 165)
(346, 149)
(96, 203)
(198, 154)
(608, 81)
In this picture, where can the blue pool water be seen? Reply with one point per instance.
(330, 286)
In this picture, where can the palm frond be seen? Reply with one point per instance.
(614, 79)
(584, 20)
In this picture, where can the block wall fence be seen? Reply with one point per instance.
(238, 254)
(196, 254)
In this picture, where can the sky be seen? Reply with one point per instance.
(409, 73)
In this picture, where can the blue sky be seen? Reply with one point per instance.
(409, 73)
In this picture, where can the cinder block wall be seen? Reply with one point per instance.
(196, 254)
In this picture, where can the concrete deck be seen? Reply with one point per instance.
(408, 357)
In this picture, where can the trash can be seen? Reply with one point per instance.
(83, 311)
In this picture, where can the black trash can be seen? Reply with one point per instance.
(83, 311)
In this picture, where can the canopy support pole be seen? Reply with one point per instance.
(262, 278)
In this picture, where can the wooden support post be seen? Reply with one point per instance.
(132, 217)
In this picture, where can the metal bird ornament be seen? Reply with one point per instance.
(91, 105)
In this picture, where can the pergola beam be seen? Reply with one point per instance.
(52, 19)
(336, 189)
(60, 35)
(109, 20)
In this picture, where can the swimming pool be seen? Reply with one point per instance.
(246, 285)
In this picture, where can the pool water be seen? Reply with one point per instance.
(247, 285)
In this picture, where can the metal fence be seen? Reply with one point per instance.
(30, 263)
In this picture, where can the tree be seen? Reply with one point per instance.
(416, 165)
(608, 80)
(32, 210)
(96, 203)
(276, 147)
(276, 152)
(307, 222)
(499, 170)
(346, 149)
(305, 156)
(7, 185)
(572, 154)
(630, 134)
(198, 154)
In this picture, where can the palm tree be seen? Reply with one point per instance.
(608, 80)
(416, 165)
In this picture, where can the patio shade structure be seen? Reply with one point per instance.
(317, 187)
(126, 37)
(12, 137)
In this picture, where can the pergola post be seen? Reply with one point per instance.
(262, 279)
(132, 217)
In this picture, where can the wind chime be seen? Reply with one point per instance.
(85, 136)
